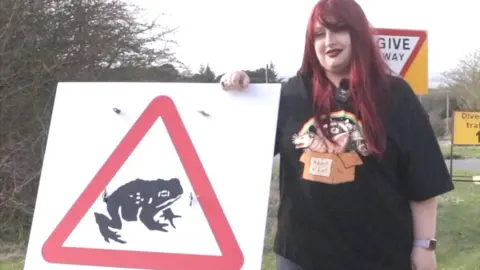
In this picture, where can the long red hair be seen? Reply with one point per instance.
(368, 70)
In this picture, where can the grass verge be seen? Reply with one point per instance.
(18, 265)
(459, 226)
(461, 152)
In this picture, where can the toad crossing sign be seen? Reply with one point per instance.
(405, 52)
(134, 181)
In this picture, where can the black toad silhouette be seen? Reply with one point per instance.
(148, 196)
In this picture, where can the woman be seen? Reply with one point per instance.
(358, 187)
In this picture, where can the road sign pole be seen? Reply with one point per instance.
(447, 115)
(266, 73)
(451, 159)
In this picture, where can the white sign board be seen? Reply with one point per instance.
(397, 50)
(155, 176)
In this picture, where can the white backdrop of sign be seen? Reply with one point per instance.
(396, 50)
(233, 135)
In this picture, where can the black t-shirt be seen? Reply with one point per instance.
(350, 211)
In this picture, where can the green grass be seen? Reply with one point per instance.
(458, 228)
(461, 152)
(11, 265)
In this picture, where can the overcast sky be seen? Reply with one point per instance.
(247, 34)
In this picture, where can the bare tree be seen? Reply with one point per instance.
(46, 41)
(463, 81)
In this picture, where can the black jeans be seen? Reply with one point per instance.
(286, 264)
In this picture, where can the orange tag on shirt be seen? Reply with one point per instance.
(330, 168)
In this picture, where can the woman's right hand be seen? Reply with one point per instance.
(236, 80)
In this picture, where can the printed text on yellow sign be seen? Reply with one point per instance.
(466, 128)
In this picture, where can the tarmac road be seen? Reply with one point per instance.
(465, 164)
(458, 164)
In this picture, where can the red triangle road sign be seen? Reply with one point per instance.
(420, 34)
(231, 258)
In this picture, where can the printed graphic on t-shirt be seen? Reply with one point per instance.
(331, 161)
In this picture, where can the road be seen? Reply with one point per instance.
(465, 164)
(458, 164)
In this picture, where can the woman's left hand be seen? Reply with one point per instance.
(423, 259)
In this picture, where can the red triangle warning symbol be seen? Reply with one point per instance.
(400, 47)
(231, 259)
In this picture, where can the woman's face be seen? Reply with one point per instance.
(333, 49)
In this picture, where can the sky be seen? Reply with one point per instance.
(234, 35)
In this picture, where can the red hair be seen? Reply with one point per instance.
(368, 71)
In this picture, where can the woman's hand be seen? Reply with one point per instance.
(423, 259)
(236, 80)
